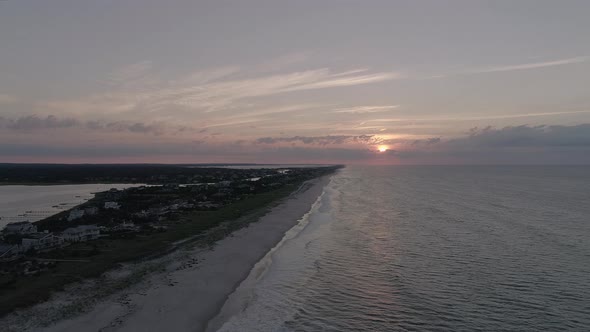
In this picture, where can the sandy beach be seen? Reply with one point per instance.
(181, 292)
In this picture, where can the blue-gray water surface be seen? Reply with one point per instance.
(422, 248)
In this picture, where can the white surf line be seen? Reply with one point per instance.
(236, 301)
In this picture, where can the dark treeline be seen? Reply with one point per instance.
(114, 173)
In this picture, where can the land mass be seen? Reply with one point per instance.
(196, 208)
(54, 174)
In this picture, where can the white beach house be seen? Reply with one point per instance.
(42, 242)
(81, 233)
(112, 205)
(75, 214)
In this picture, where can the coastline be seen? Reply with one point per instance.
(183, 290)
(239, 299)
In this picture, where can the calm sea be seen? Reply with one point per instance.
(431, 249)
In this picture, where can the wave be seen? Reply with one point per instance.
(239, 311)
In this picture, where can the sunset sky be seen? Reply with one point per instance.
(322, 81)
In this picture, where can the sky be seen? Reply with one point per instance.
(322, 81)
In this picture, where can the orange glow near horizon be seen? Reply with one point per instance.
(382, 148)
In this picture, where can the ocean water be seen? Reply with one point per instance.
(32, 203)
(430, 249)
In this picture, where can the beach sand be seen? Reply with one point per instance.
(190, 287)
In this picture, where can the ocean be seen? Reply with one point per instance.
(430, 248)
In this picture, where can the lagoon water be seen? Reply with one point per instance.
(430, 249)
(32, 203)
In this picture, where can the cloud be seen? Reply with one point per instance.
(498, 139)
(366, 109)
(217, 94)
(411, 142)
(543, 136)
(138, 92)
(521, 66)
(33, 122)
(243, 100)
(474, 118)
(518, 144)
(340, 80)
(532, 65)
(36, 123)
(192, 152)
(511, 116)
(317, 140)
(509, 145)
(353, 141)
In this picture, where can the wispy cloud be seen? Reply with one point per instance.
(531, 65)
(33, 123)
(257, 114)
(342, 79)
(474, 118)
(318, 140)
(218, 94)
(210, 90)
(515, 116)
(366, 109)
(507, 68)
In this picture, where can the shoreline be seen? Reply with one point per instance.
(183, 290)
(237, 301)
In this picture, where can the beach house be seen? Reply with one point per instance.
(20, 228)
(9, 252)
(42, 242)
(81, 233)
(112, 205)
(75, 214)
(91, 210)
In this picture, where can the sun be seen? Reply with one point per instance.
(382, 148)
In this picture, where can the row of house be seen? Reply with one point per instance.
(19, 228)
(90, 210)
(40, 242)
(160, 211)
(30, 239)
(81, 233)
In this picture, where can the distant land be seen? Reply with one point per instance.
(43, 174)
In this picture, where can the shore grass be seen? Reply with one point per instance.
(96, 257)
